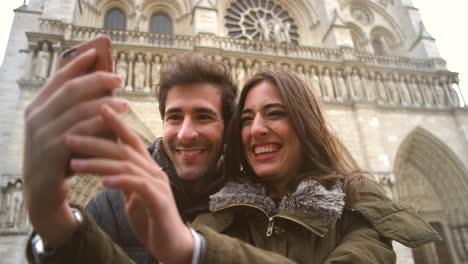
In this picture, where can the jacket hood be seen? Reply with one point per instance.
(310, 197)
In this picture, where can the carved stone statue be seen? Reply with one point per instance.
(381, 91)
(453, 95)
(404, 91)
(139, 73)
(393, 94)
(42, 63)
(417, 96)
(300, 72)
(121, 68)
(240, 73)
(14, 205)
(357, 89)
(328, 84)
(341, 87)
(427, 92)
(369, 86)
(265, 28)
(155, 72)
(314, 81)
(439, 92)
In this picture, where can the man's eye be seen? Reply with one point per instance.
(204, 117)
(173, 118)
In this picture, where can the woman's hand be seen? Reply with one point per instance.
(150, 205)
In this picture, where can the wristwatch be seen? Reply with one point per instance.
(40, 252)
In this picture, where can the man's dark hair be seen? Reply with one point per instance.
(190, 67)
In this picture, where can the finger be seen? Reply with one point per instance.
(105, 167)
(152, 191)
(77, 90)
(121, 130)
(79, 65)
(82, 111)
(99, 147)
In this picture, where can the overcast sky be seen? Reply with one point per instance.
(444, 20)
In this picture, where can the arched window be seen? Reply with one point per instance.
(378, 45)
(115, 18)
(161, 24)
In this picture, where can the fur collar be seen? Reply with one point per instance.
(310, 197)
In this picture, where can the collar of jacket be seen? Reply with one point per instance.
(311, 205)
(189, 206)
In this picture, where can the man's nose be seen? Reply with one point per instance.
(259, 128)
(187, 132)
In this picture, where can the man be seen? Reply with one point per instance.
(196, 100)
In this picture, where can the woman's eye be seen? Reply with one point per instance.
(245, 120)
(277, 114)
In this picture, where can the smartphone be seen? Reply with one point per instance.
(103, 46)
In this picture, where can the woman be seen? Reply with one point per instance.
(292, 198)
(292, 192)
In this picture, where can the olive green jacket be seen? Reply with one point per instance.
(311, 225)
(301, 230)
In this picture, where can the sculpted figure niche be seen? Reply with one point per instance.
(453, 95)
(439, 92)
(404, 91)
(240, 73)
(155, 72)
(357, 89)
(121, 68)
(328, 84)
(381, 91)
(314, 81)
(42, 62)
(417, 96)
(427, 92)
(139, 73)
(369, 85)
(341, 87)
(393, 93)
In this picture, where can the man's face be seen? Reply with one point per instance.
(193, 129)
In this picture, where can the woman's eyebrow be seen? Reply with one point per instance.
(265, 107)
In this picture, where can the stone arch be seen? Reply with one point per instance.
(174, 9)
(383, 41)
(360, 40)
(302, 11)
(84, 187)
(382, 20)
(426, 171)
(126, 6)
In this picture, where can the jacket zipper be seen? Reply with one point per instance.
(271, 219)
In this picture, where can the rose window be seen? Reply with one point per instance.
(260, 20)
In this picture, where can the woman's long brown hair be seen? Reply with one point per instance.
(323, 158)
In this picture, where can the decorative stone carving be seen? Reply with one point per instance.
(393, 94)
(42, 62)
(362, 14)
(417, 96)
(13, 206)
(240, 73)
(155, 72)
(357, 87)
(341, 87)
(454, 100)
(369, 86)
(261, 21)
(381, 91)
(427, 92)
(404, 91)
(300, 72)
(121, 68)
(139, 73)
(439, 93)
(314, 81)
(328, 85)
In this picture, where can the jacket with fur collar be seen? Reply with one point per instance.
(311, 225)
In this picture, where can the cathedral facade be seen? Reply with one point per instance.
(388, 94)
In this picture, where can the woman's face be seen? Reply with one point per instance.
(271, 147)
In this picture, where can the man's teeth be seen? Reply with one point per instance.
(265, 149)
(190, 152)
